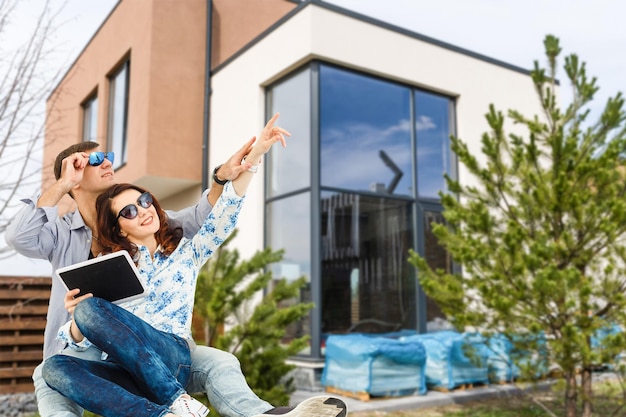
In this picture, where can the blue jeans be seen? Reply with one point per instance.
(145, 372)
(214, 372)
(49, 402)
(217, 374)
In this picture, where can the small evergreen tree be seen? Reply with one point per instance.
(226, 295)
(541, 237)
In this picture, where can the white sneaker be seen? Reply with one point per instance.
(187, 406)
(321, 406)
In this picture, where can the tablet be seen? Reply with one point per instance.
(113, 277)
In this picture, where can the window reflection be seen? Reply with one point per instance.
(289, 228)
(365, 133)
(437, 258)
(366, 165)
(433, 126)
(118, 114)
(90, 119)
(366, 281)
(290, 169)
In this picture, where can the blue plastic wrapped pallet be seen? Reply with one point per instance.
(601, 334)
(447, 364)
(499, 360)
(379, 366)
(601, 337)
(514, 355)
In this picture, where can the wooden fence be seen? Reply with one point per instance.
(23, 307)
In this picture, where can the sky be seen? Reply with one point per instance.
(507, 30)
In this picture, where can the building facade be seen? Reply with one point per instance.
(174, 88)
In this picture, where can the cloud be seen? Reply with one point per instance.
(363, 142)
(424, 123)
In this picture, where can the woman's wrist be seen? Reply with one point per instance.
(76, 334)
(255, 166)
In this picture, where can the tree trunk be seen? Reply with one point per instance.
(587, 392)
(207, 333)
(570, 393)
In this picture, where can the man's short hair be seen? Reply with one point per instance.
(77, 147)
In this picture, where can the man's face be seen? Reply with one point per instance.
(98, 178)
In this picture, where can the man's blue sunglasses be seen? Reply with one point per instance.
(97, 158)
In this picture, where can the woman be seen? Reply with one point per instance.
(146, 341)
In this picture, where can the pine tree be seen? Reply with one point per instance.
(226, 298)
(540, 237)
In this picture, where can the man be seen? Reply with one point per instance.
(37, 231)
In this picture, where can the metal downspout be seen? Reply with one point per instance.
(207, 98)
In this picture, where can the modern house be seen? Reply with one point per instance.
(176, 87)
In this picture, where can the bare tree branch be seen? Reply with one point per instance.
(26, 82)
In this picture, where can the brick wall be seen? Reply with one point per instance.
(23, 307)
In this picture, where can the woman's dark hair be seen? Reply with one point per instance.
(109, 232)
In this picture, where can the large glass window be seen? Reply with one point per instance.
(354, 191)
(290, 169)
(438, 259)
(288, 178)
(90, 118)
(118, 113)
(289, 228)
(365, 133)
(433, 123)
(367, 285)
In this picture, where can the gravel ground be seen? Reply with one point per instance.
(18, 405)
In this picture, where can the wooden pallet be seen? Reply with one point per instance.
(461, 387)
(502, 382)
(360, 395)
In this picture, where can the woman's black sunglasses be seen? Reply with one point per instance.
(130, 211)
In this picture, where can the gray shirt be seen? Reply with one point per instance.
(40, 233)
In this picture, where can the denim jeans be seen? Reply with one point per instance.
(213, 372)
(218, 374)
(145, 372)
(50, 403)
